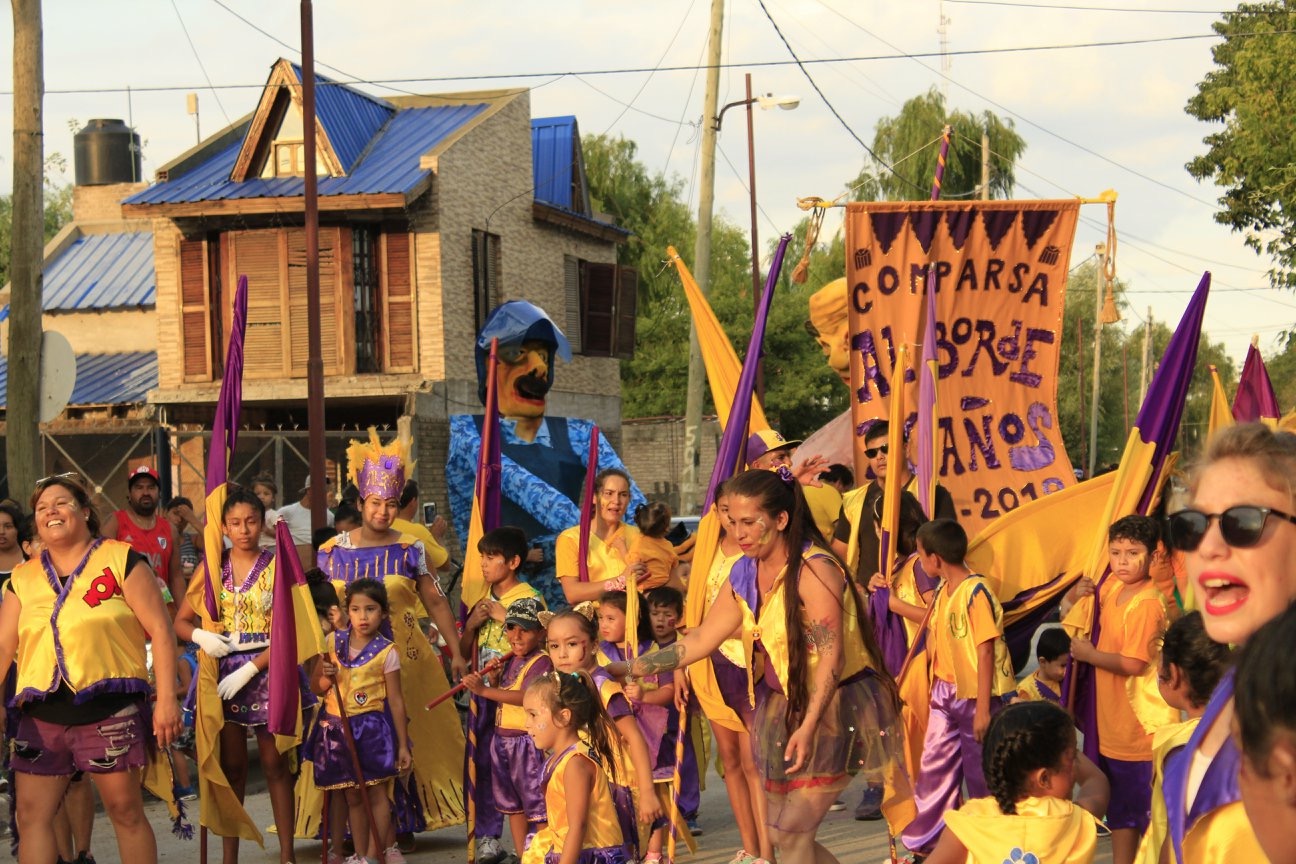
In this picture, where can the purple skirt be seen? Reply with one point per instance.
(328, 750)
(251, 705)
(733, 686)
(608, 855)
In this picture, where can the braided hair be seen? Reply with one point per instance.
(577, 693)
(1024, 737)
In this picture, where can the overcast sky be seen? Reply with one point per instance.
(1124, 103)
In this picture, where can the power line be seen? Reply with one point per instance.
(194, 49)
(627, 106)
(840, 119)
(1091, 8)
(638, 70)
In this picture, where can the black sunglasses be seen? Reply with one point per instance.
(1240, 526)
(872, 452)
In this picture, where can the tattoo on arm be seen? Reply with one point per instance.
(664, 660)
(821, 636)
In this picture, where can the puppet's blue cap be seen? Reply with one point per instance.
(513, 323)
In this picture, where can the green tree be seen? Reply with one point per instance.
(1251, 95)
(1281, 367)
(902, 141)
(58, 211)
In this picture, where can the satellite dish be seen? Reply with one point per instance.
(57, 374)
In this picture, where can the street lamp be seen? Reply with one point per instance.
(702, 252)
(767, 102)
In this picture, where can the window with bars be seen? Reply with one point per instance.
(486, 274)
(364, 262)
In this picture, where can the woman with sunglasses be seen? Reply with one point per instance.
(76, 619)
(1240, 539)
(609, 544)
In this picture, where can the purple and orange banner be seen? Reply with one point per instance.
(1000, 274)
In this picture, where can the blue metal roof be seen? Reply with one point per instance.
(350, 118)
(390, 164)
(103, 379)
(552, 146)
(102, 271)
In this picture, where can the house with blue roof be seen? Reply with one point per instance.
(433, 210)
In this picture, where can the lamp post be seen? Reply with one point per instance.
(766, 101)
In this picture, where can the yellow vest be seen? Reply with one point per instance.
(1048, 830)
(1164, 742)
(247, 610)
(85, 635)
(602, 829)
(362, 682)
(732, 648)
(949, 632)
(514, 716)
(771, 630)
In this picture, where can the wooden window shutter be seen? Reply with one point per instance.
(195, 311)
(627, 303)
(331, 284)
(399, 342)
(598, 321)
(572, 298)
(257, 255)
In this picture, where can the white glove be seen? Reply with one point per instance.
(214, 644)
(232, 683)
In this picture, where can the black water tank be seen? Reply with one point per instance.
(106, 151)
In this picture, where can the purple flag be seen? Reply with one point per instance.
(1255, 399)
(284, 710)
(1155, 429)
(224, 437)
(730, 456)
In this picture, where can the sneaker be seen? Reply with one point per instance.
(489, 851)
(394, 855)
(405, 842)
(837, 806)
(335, 858)
(85, 858)
(694, 828)
(186, 793)
(870, 806)
(743, 857)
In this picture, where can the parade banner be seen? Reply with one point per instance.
(1000, 284)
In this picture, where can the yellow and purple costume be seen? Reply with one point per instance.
(1043, 829)
(603, 842)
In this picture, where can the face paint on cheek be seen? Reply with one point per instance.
(765, 532)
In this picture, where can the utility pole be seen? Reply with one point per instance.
(1147, 356)
(702, 263)
(315, 360)
(985, 164)
(1100, 253)
(22, 415)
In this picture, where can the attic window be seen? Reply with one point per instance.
(289, 158)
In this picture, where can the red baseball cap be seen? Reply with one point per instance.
(141, 472)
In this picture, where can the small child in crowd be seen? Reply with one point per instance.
(665, 612)
(1052, 653)
(515, 765)
(971, 674)
(651, 548)
(1031, 766)
(1190, 667)
(362, 670)
(572, 640)
(565, 718)
(614, 642)
(1131, 619)
(1265, 713)
(502, 552)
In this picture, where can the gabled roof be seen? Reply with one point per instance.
(558, 165)
(101, 271)
(104, 379)
(369, 146)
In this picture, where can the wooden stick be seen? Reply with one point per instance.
(493, 666)
(370, 819)
(202, 843)
(325, 825)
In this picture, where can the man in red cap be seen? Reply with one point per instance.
(147, 532)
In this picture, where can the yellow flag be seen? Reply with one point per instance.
(1221, 410)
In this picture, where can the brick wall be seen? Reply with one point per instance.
(101, 203)
(653, 450)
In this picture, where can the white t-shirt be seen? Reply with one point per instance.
(299, 521)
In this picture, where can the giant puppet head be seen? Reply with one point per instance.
(830, 325)
(528, 341)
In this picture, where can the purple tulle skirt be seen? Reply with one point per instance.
(330, 753)
(733, 686)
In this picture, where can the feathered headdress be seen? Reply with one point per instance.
(378, 469)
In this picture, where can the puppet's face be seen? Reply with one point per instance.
(830, 325)
(522, 378)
